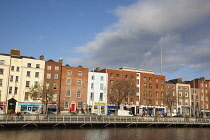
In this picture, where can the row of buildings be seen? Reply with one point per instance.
(78, 90)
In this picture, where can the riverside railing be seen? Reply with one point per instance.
(94, 119)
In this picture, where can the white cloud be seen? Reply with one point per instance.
(182, 26)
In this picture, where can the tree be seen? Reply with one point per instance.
(169, 97)
(43, 93)
(120, 91)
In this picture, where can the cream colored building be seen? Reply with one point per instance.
(19, 74)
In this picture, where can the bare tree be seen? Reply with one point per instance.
(169, 97)
(120, 91)
(43, 93)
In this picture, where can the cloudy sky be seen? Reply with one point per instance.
(112, 33)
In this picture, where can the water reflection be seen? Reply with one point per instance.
(109, 134)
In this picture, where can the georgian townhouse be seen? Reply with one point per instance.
(195, 102)
(183, 97)
(74, 89)
(97, 92)
(22, 73)
(52, 78)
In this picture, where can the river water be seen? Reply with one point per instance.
(108, 134)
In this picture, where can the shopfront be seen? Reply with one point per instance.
(52, 108)
(99, 108)
(3, 107)
(30, 108)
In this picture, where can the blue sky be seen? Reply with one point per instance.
(112, 33)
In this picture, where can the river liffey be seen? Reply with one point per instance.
(108, 134)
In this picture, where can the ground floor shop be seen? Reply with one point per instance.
(3, 107)
(29, 108)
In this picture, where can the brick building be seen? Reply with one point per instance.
(74, 86)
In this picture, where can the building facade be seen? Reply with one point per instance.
(74, 89)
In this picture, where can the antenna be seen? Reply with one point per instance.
(161, 57)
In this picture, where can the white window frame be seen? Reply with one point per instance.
(56, 68)
(79, 81)
(49, 67)
(68, 92)
(68, 81)
(79, 72)
(69, 72)
(48, 75)
(66, 105)
(55, 76)
(79, 94)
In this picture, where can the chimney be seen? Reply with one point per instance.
(98, 68)
(41, 57)
(61, 60)
(203, 79)
(15, 52)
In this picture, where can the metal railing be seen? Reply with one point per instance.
(98, 119)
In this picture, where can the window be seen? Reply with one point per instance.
(36, 74)
(68, 91)
(186, 102)
(156, 94)
(55, 86)
(162, 103)
(29, 65)
(145, 85)
(0, 95)
(2, 62)
(156, 102)
(54, 98)
(150, 79)
(26, 96)
(111, 75)
(150, 86)
(66, 105)
(186, 88)
(36, 83)
(201, 85)
(55, 76)
(145, 93)
(92, 96)
(37, 65)
(137, 81)
(150, 93)
(180, 94)
(48, 75)
(101, 86)
(69, 72)
(27, 83)
(101, 97)
(79, 73)
(12, 68)
(68, 81)
(145, 78)
(206, 85)
(207, 98)
(156, 86)
(102, 78)
(80, 105)
(92, 77)
(56, 68)
(16, 88)
(1, 80)
(162, 87)
(49, 67)
(1, 71)
(11, 78)
(18, 69)
(161, 94)
(79, 81)
(92, 85)
(132, 77)
(126, 76)
(207, 106)
(10, 90)
(186, 94)
(78, 93)
(117, 75)
(111, 82)
(16, 78)
(28, 74)
(156, 80)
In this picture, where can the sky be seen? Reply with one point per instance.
(112, 33)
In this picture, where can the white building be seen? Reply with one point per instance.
(97, 92)
(20, 73)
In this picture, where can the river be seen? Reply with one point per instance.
(108, 134)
